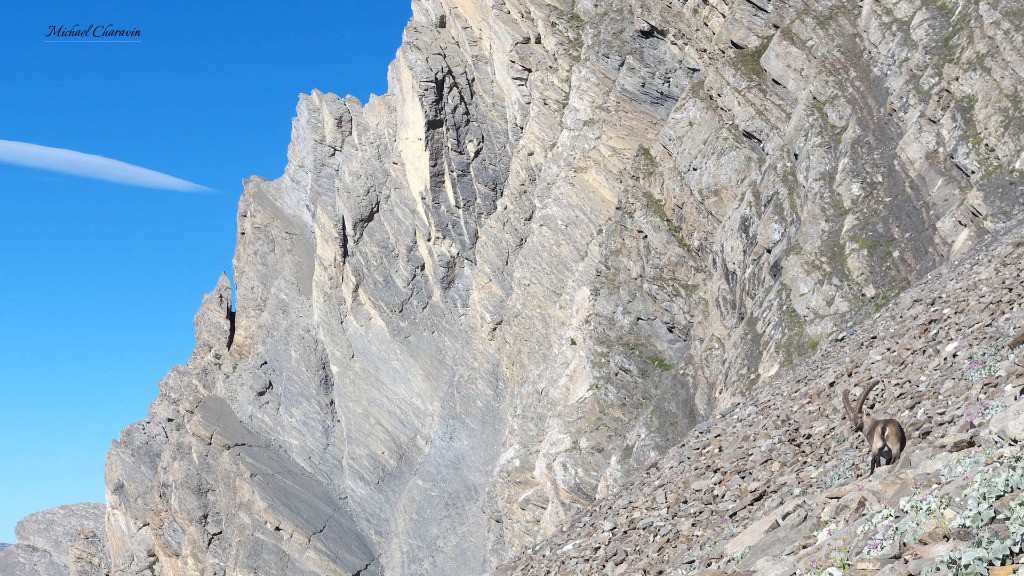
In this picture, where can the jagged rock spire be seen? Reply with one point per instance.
(214, 321)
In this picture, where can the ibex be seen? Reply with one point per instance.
(886, 438)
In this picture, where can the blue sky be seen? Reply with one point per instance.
(100, 280)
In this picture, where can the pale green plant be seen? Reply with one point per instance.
(835, 560)
(979, 507)
(733, 561)
(882, 532)
(920, 508)
(841, 473)
(984, 364)
(962, 468)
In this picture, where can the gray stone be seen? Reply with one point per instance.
(473, 310)
(1009, 424)
(48, 542)
(898, 568)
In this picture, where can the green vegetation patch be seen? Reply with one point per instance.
(748, 60)
(661, 364)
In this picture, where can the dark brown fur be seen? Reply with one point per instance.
(885, 437)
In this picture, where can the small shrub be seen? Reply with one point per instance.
(661, 364)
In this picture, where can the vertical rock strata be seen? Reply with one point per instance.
(567, 232)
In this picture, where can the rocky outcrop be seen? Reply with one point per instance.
(569, 232)
(53, 543)
(88, 554)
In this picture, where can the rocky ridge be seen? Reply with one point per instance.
(568, 233)
(62, 541)
(777, 483)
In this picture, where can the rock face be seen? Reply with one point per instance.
(778, 482)
(62, 541)
(568, 233)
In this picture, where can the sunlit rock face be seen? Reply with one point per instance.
(568, 231)
(64, 541)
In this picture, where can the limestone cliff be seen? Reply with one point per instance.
(567, 233)
(62, 541)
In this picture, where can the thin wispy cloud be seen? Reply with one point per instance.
(91, 166)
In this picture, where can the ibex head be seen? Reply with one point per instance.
(856, 415)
